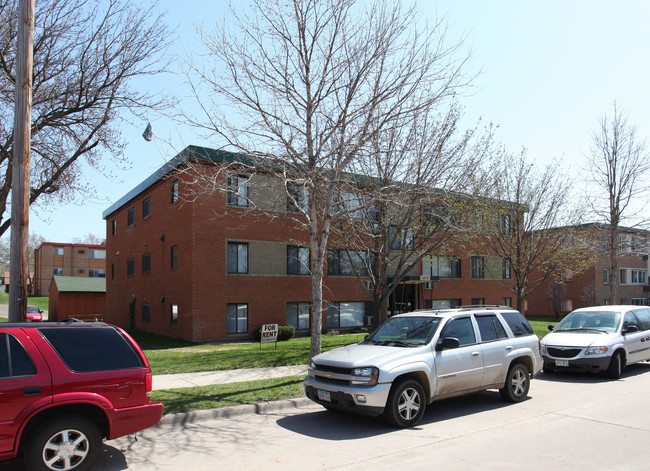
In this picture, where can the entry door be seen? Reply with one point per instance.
(459, 369)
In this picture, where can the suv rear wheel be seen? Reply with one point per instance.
(517, 383)
(63, 444)
(406, 403)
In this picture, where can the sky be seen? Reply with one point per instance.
(547, 73)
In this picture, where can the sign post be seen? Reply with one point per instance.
(269, 334)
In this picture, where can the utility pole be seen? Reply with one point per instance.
(21, 158)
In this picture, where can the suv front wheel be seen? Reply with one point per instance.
(64, 443)
(517, 383)
(406, 403)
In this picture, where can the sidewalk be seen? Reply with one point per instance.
(206, 378)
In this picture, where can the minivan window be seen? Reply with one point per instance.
(518, 323)
(14, 360)
(490, 327)
(89, 349)
(644, 318)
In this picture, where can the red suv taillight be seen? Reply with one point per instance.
(148, 384)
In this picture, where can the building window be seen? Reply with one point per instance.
(174, 191)
(640, 302)
(441, 266)
(130, 267)
(298, 315)
(237, 318)
(478, 267)
(506, 227)
(441, 303)
(146, 263)
(507, 302)
(57, 271)
(606, 276)
(400, 238)
(297, 260)
(95, 254)
(146, 208)
(146, 313)
(114, 226)
(343, 263)
(112, 271)
(506, 269)
(58, 250)
(174, 256)
(173, 315)
(238, 190)
(130, 217)
(96, 273)
(478, 301)
(297, 198)
(343, 315)
(237, 257)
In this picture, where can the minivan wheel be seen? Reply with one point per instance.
(615, 366)
(517, 383)
(406, 403)
(64, 444)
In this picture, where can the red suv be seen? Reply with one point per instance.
(66, 386)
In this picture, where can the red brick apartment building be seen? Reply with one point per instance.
(593, 287)
(78, 260)
(210, 269)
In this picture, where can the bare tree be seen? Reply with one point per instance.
(87, 56)
(411, 205)
(618, 164)
(308, 85)
(89, 238)
(533, 226)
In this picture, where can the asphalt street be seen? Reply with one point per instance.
(570, 422)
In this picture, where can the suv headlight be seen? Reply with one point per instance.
(367, 375)
(595, 350)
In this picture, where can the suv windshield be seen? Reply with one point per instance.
(601, 321)
(405, 331)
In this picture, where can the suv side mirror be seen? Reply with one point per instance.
(447, 343)
(551, 327)
(630, 329)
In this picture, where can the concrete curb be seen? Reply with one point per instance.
(184, 418)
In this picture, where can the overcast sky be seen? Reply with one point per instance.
(549, 71)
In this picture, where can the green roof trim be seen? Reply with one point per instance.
(78, 284)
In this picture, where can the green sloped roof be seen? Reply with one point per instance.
(78, 284)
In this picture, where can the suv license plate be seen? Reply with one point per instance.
(561, 362)
(324, 396)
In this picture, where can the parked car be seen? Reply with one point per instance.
(598, 339)
(65, 387)
(34, 314)
(416, 358)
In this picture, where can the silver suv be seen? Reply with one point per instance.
(413, 359)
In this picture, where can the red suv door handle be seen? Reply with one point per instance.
(33, 391)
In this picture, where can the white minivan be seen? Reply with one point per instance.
(599, 338)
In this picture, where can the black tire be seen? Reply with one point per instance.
(517, 383)
(406, 403)
(64, 443)
(615, 366)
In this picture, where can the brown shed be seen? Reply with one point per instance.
(76, 297)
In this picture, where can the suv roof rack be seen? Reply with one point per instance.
(482, 306)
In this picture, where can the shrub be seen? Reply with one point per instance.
(285, 332)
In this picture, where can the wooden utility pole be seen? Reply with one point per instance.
(21, 157)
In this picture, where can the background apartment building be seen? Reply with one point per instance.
(593, 287)
(210, 268)
(76, 260)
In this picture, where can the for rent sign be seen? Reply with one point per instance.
(269, 333)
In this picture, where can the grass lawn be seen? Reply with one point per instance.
(169, 356)
(227, 395)
(40, 301)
